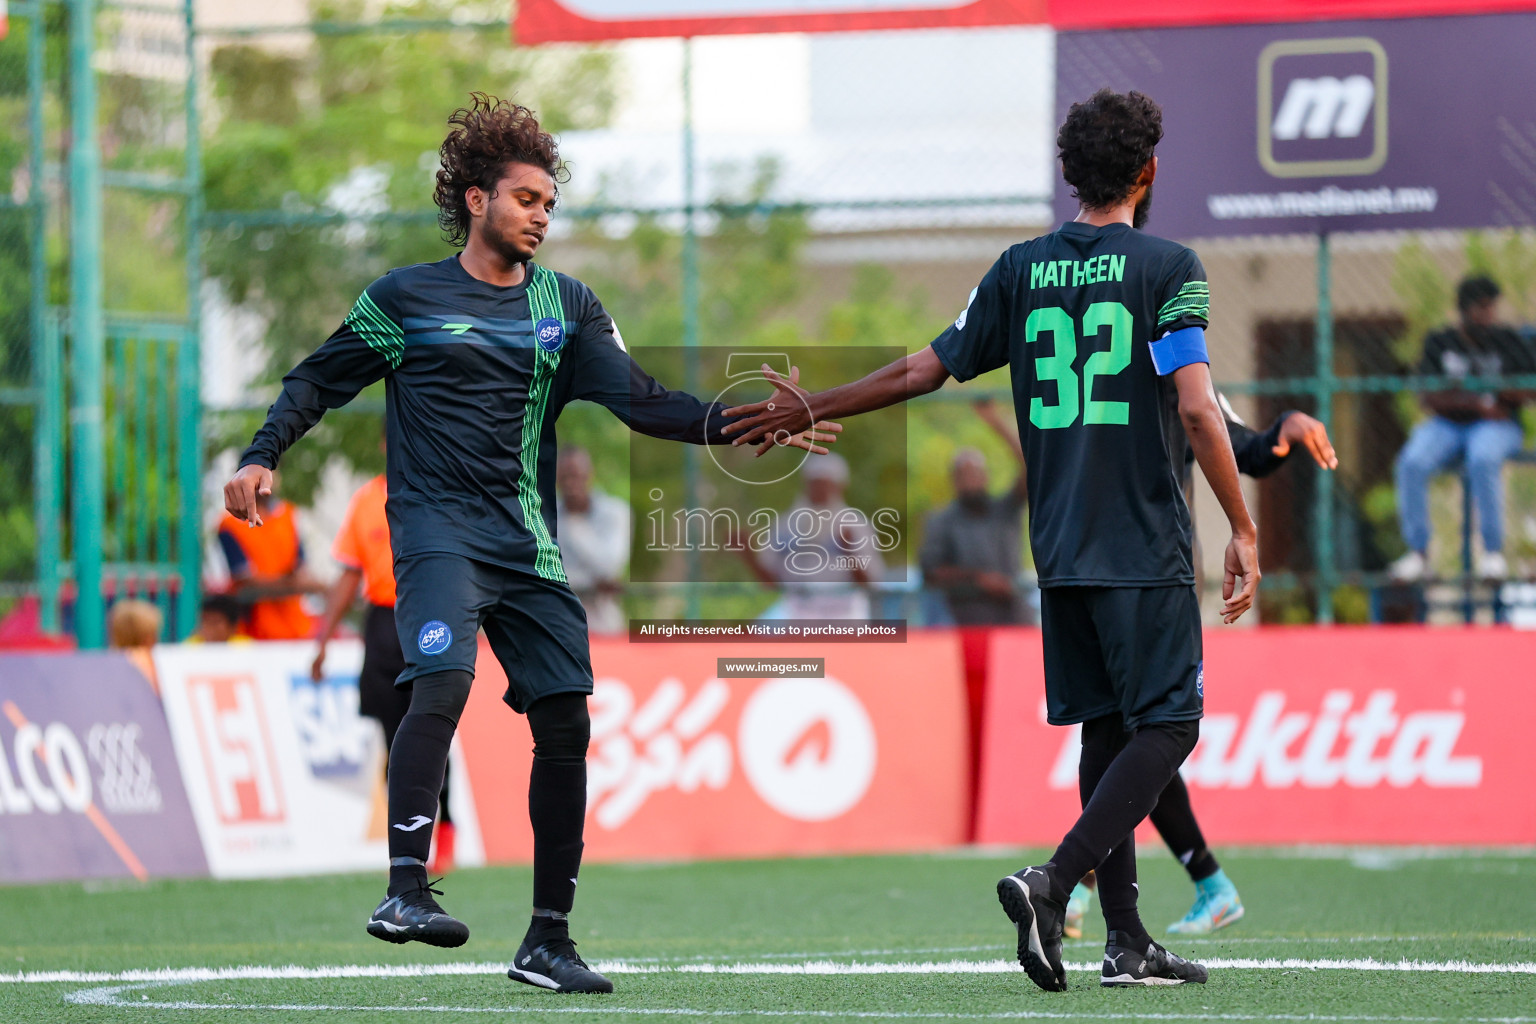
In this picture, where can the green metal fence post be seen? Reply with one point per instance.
(85, 327)
(1324, 385)
(690, 317)
(48, 420)
(189, 403)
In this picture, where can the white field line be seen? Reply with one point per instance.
(187, 975)
(112, 996)
(1221, 940)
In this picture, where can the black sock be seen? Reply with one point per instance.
(1117, 893)
(1174, 819)
(1102, 739)
(1124, 795)
(415, 778)
(557, 796)
(418, 757)
(408, 876)
(544, 927)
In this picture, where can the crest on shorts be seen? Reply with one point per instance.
(434, 638)
(550, 334)
(1200, 680)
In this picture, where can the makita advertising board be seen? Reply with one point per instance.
(1326, 126)
(89, 785)
(284, 775)
(1311, 735)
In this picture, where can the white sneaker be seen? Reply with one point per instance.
(1408, 568)
(1491, 566)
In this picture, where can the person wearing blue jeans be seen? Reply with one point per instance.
(1476, 426)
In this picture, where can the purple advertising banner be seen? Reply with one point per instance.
(1326, 126)
(89, 784)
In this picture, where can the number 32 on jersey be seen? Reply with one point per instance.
(1074, 394)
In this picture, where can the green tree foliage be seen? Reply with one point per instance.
(17, 537)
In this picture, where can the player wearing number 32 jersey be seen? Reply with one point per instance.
(1102, 328)
(1093, 321)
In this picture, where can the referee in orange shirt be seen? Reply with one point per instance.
(362, 548)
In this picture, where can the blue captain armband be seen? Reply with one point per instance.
(1181, 348)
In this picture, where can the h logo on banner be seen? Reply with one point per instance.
(1322, 107)
(236, 742)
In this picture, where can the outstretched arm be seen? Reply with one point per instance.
(987, 410)
(366, 346)
(1206, 428)
(1260, 454)
(600, 369)
(777, 421)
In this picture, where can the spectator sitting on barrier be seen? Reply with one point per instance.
(134, 627)
(972, 547)
(219, 620)
(594, 540)
(268, 571)
(823, 554)
(1478, 426)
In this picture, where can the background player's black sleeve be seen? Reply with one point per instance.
(367, 345)
(1183, 294)
(1255, 452)
(978, 339)
(602, 371)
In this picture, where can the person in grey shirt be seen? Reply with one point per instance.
(594, 540)
(823, 555)
(971, 547)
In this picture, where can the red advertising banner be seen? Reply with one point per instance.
(1379, 735)
(1072, 14)
(684, 764)
(551, 21)
(89, 784)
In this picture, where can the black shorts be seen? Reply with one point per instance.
(1135, 651)
(537, 627)
(382, 664)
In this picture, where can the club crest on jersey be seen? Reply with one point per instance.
(434, 637)
(551, 334)
(1200, 681)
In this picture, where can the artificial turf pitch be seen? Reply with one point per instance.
(680, 932)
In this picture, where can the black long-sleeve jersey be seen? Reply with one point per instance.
(475, 377)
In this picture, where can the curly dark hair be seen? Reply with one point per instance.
(1105, 142)
(483, 138)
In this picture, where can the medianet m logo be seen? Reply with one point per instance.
(1322, 107)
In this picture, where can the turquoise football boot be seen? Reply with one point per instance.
(1216, 906)
(1077, 908)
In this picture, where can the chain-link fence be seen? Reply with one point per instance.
(99, 393)
(22, 280)
(1332, 541)
(852, 203)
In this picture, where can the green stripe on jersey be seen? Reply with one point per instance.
(1193, 299)
(381, 333)
(544, 303)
